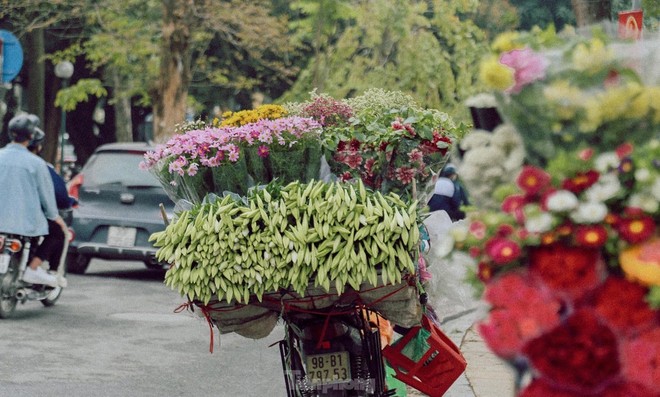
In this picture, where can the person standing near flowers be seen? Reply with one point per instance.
(449, 194)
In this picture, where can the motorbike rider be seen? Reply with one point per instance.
(28, 199)
(52, 245)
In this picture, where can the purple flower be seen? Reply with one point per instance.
(527, 65)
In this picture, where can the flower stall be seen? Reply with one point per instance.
(570, 262)
(294, 205)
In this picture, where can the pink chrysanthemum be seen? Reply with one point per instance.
(263, 151)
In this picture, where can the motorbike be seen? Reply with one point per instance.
(335, 352)
(15, 254)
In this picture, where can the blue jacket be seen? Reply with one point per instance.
(62, 197)
(27, 195)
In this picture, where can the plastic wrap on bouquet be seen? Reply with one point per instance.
(193, 187)
(407, 169)
(301, 162)
(579, 90)
(234, 178)
(398, 302)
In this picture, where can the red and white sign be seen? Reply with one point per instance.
(630, 24)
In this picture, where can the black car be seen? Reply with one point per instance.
(118, 208)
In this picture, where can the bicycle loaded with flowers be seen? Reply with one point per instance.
(265, 230)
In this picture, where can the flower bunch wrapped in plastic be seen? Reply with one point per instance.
(561, 90)
(385, 139)
(571, 269)
(233, 158)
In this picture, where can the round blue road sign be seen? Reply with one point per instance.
(12, 56)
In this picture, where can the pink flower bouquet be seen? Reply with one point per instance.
(234, 158)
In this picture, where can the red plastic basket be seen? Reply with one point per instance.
(426, 359)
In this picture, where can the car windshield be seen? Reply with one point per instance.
(118, 167)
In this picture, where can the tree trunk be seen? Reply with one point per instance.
(123, 121)
(588, 12)
(36, 87)
(171, 92)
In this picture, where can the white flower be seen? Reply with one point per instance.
(608, 186)
(476, 139)
(642, 175)
(562, 201)
(589, 212)
(539, 223)
(482, 100)
(606, 162)
(646, 202)
(655, 189)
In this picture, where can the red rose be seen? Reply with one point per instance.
(522, 310)
(640, 359)
(621, 304)
(579, 355)
(569, 271)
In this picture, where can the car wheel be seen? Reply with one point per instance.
(156, 265)
(77, 263)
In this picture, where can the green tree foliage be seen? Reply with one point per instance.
(541, 13)
(496, 16)
(419, 47)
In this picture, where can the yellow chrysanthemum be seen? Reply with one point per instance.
(591, 58)
(654, 102)
(640, 103)
(616, 103)
(496, 75)
(253, 115)
(593, 116)
(506, 42)
(565, 98)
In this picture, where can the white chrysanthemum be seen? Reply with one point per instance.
(539, 223)
(562, 201)
(459, 230)
(655, 189)
(606, 162)
(642, 175)
(608, 186)
(475, 139)
(589, 212)
(483, 100)
(646, 202)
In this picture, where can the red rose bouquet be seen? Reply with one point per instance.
(571, 269)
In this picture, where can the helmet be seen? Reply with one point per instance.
(37, 139)
(448, 170)
(23, 127)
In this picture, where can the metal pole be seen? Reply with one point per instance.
(65, 83)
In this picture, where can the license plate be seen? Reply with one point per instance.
(4, 262)
(328, 368)
(121, 236)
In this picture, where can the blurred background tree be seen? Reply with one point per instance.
(168, 61)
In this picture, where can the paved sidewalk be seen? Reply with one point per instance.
(456, 304)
